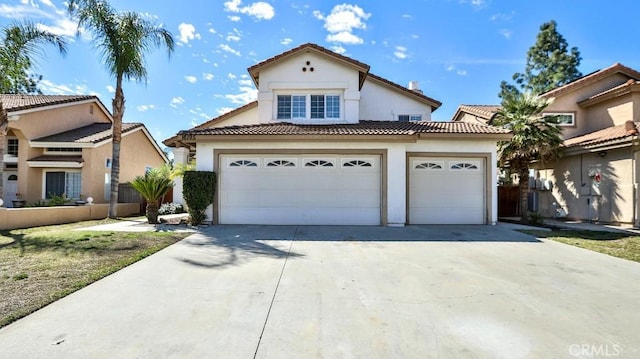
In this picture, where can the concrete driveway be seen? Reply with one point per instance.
(348, 292)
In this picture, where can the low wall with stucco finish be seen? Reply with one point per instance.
(13, 218)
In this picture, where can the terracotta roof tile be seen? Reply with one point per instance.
(363, 128)
(614, 133)
(592, 77)
(25, 102)
(94, 133)
(50, 158)
(435, 104)
(485, 111)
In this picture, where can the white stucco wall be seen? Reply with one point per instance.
(395, 160)
(379, 103)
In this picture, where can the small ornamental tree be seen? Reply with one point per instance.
(199, 190)
(152, 186)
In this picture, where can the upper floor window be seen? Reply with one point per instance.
(64, 150)
(12, 146)
(562, 118)
(405, 118)
(308, 107)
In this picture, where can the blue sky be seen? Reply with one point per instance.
(458, 50)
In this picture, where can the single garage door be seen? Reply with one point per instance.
(446, 190)
(299, 189)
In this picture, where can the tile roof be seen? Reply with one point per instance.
(485, 111)
(619, 90)
(50, 158)
(435, 104)
(607, 135)
(94, 133)
(593, 77)
(228, 115)
(363, 128)
(25, 102)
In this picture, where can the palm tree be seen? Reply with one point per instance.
(19, 47)
(535, 137)
(152, 186)
(123, 39)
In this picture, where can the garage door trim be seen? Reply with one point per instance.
(488, 202)
(217, 153)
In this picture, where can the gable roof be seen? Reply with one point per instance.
(593, 77)
(630, 86)
(363, 128)
(254, 70)
(435, 104)
(27, 103)
(91, 134)
(607, 136)
(486, 112)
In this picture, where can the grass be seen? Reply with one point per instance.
(41, 265)
(615, 244)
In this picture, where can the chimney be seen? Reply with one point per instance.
(630, 128)
(414, 86)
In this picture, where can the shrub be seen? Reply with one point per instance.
(171, 208)
(536, 218)
(199, 189)
(58, 200)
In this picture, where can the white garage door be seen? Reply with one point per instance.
(446, 190)
(299, 189)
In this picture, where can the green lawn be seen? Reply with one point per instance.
(40, 265)
(619, 245)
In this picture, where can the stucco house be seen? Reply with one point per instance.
(597, 177)
(62, 144)
(327, 142)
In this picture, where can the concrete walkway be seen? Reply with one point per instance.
(347, 292)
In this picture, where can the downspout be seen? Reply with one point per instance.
(632, 130)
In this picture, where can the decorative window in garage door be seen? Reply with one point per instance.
(356, 163)
(465, 166)
(318, 163)
(243, 163)
(281, 163)
(429, 166)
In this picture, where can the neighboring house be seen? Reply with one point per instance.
(327, 142)
(597, 177)
(62, 145)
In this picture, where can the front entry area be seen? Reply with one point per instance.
(309, 189)
(445, 190)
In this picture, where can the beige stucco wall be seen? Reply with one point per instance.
(137, 153)
(14, 218)
(248, 117)
(42, 123)
(609, 113)
(573, 188)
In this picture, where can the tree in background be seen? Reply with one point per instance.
(19, 47)
(535, 137)
(550, 64)
(123, 40)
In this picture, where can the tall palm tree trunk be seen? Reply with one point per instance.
(4, 125)
(523, 179)
(118, 113)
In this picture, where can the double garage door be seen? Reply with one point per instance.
(345, 190)
(299, 189)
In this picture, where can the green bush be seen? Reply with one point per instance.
(199, 190)
(536, 218)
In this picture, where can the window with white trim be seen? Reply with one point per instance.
(318, 163)
(243, 163)
(281, 163)
(308, 106)
(62, 183)
(12, 147)
(63, 150)
(357, 163)
(407, 118)
(429, 166)
(562, 118)
(464, 166)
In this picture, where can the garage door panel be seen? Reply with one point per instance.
(300, 194)
(446, 190)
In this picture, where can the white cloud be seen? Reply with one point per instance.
(459, 72)
(451, 67)
(231, 76)
(286, 41)
(245, 82)
(207, 76)
(401, 52)
(143, 108)
(478, 4)
(338, 49)
(110, 89)
(227, 48)
(187, 33)
(235, 38)
(49, 87)
(503, 17)
(234, 18)
(506, 33)
(247, 93)
(191, 79)
(222, 110)
(176, 101)
(342, 21)
(212, 30)
(260, 10)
